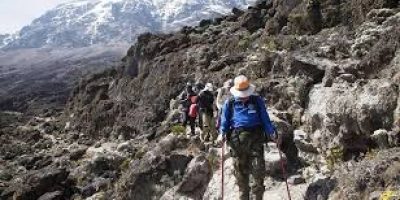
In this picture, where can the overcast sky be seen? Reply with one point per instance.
(14, 14)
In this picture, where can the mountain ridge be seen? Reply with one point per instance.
(82, 23)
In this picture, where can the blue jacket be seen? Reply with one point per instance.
(246, 115)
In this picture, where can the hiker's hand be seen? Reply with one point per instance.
(276, 138)
(221, 138)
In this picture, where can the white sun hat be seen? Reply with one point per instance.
(242, 87)
(209, 87)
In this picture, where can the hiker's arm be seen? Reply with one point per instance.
(225, 122)
(182, 97)
(266, 121)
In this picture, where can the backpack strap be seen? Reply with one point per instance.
(231, 107)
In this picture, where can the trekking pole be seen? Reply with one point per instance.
(222, 169)
(283, 169)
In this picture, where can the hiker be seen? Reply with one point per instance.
(223, 94)
(186, 99)
(206, 105)
(246, 125)
(197, 88)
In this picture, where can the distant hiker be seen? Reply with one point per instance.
(193, 113)
(206, 105)
(197, 88)
(187, 97)
(245, 124)
(222, 95)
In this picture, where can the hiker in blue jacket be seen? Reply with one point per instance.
(246, 124)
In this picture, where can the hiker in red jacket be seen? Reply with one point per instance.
(188, 100)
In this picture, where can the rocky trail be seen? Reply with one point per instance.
(329, 71)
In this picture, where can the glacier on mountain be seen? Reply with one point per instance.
(81, 23)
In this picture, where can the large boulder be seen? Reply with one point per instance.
(194, 182)
(37, 183)
(362, 179)
(154, 172)
(346, 114)
(197, 175)
(252, 20)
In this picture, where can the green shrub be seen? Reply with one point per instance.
(125, 164)
(270, 44)
(244, 42)
(334, 157)
(140, 153)
(178, 129)
(371, 154)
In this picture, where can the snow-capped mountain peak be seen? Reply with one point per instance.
(85, 22)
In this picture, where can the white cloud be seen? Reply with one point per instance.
(14, 14)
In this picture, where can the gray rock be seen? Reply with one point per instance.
(57, 195)
(37, 183)
(125, 146)
(197, 175)
(252, 20)
(381, 138)
(5, 175)
(348, 77)
(296, 179)
(394, 138)
(331, 73)
(101, 163)
(173, 117)
(302, 142)
(97, 144)
(320, 189)
(95, 186)
(375, 195)
(77, 153)
(347, 114)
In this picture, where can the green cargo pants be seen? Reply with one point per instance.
(209, 133)
(248, 154)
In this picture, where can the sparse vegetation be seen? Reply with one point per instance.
(244, 42)
(270, 44)
(334, 157)
(125, 164)
(371, 154)
(178, 129)
(140, 153)
(213, 161)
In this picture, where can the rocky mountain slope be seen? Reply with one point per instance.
(85, 36)
(32, 80)
(81, 23)
(3, 39)
(329, 71)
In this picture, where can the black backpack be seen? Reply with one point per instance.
(206, 100)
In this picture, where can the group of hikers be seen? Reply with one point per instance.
(241, 120)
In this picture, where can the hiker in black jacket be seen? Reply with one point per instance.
(197, 88)
(206, 105)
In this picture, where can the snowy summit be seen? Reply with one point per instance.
(85, 22)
